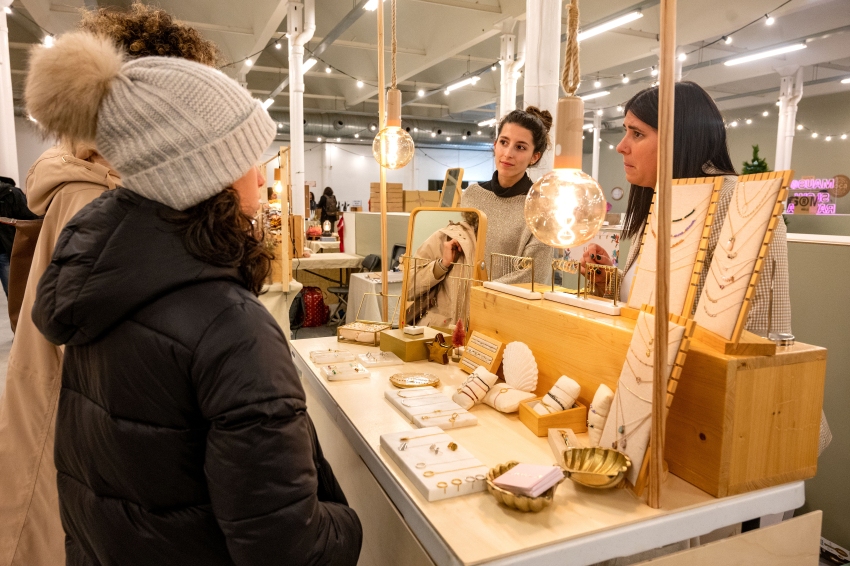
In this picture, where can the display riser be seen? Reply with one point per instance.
(737, 423)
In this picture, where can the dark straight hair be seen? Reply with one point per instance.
(699, 139)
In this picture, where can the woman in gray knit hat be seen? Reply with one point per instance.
(182, 435)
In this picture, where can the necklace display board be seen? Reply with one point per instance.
(428, 407)
(739, 256)
(627, 427)
(693, 207)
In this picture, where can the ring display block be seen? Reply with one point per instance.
(574, 418)
(736, 423)
(439, 474)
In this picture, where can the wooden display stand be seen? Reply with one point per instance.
(737, 423)
(296, 235)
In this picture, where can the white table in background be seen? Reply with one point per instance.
(361, 283)
(318, 247)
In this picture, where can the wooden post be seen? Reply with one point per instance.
(382, 117)
(666, 98)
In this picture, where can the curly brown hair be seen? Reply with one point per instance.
(144, 31)
(217, 232)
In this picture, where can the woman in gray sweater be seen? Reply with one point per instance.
(521, 139)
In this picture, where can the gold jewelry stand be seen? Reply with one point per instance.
(515, 263)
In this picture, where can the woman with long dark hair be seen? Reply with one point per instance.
(182, 434)
(522, 137)
(699, 150)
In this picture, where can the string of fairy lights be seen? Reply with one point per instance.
(600, 82)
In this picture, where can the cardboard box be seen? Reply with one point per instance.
(416, 199)
(394, 196)
(575, 418)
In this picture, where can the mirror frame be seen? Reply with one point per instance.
(479, 270)
(458, 188)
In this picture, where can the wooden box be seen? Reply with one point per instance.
(296, 235)
(395, 197)
(408, 348)
(575, 418)
(737, 422)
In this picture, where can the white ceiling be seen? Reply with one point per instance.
(441, 40)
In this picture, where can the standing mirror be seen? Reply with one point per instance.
(445, 260)
(452, 188)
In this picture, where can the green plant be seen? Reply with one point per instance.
(757, 165)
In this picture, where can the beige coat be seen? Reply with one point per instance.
(31, 534)
(441, 301)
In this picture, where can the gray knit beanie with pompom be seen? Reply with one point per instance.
(178, 132)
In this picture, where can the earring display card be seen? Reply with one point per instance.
(483, 351)
(331, 356)
(693, 206)
(733, 274)
(436, 464)
(344, 371)
(628, 424)
(379, 359)
(427, 407)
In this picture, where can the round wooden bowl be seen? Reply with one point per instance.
(514, 501)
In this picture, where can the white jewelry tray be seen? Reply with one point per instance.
(589, 303)
(380, 359)
(344, 371)
(458, 465)
(513, 290)
(423, 402)
(331, 356)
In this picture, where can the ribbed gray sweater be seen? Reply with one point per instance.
(507, 233)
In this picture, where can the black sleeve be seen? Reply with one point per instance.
(321, 204)
(261, 460)
(20, 206)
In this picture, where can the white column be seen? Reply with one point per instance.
(301, 24)
(597, 137)
(790, 93)
(512, 60)
(8, 141)
(542, 68)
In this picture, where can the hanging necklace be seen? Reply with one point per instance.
(622, 441)
(714, 315)
(651, 340)
(728, 279)
(685, 216)
(638, 379)
(747, 203)
(724, 281)
(652, 229)
(731, 241)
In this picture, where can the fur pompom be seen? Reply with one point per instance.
(67, 82)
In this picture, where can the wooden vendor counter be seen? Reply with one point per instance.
(582, 527)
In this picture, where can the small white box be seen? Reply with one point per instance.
(344, 371)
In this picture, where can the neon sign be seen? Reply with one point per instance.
(812, 184)
(810, 203)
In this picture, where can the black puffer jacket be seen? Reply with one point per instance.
(182, 435)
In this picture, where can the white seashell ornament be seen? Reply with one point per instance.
(520, 367)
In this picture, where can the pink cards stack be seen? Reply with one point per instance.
(529, 479)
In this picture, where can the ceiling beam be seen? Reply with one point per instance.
(269, 24)
(465, 5)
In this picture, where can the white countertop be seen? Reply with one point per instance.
(584, 524)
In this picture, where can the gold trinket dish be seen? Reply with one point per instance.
(599, 468)
(417, 379)
(513, 500)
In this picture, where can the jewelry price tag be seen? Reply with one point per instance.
(483, 351)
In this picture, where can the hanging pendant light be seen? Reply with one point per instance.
(566, 207)
(393, 146)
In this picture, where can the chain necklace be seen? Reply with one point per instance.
(443, 400)
(638, 379)
(714, 315)
(622, 441)
(652, 229)
(726, 281)
(685, 216)
(729, 279)
(731, 241)
(748, 202)
(646, 343)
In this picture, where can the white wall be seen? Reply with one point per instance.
(349, 169)
(30, 146)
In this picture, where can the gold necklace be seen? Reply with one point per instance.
(652, 229)
(720, 311)
(444, 400)
(407, 438)
(622, 442)
(748, 202)
(727, 279)
(636, 395)
(638, 380)
(431, 473)
(651, 337)
(426, 394)
(731, 241)
(720, 284)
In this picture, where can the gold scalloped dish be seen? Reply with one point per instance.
(513, 500)
(599, 468)
(416, 379)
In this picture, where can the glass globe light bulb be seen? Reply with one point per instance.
(565, 208)
(393, 147)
